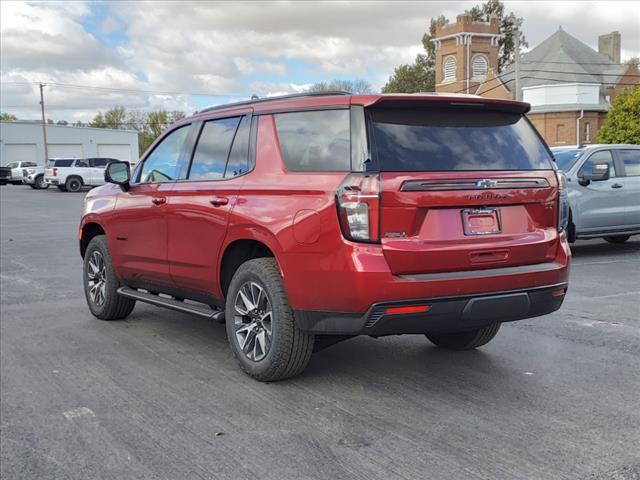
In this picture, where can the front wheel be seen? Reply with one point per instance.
(618, 238)
(465, 340)
(262, 332)
(40, 183)
(101, 283)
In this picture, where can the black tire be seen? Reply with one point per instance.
(465, 340)
(40, 183)
(113, 306)
(289, 348)
(618, 238)
(62, 188)
(73, 184)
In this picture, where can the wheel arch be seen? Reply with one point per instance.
(87, 232)
(236, 253)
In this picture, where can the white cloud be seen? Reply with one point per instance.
(236, 49)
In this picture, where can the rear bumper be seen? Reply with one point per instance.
(445, 314)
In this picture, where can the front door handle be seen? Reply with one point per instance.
(219, 201)
(616, 185)
(159, 200)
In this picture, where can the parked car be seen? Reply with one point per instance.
(71, 174)
(306, 220)
(34, 177)
(604, 190)
(12, 172)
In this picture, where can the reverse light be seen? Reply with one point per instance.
(358, 201)
(563, 201)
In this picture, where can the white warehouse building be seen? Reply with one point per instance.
(23, 141)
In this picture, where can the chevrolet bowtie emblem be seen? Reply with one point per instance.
(486, 183)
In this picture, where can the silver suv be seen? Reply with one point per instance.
(604, 190)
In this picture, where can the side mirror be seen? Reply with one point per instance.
(597, 173)
(118, 173)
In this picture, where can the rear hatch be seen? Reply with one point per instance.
(463, 187)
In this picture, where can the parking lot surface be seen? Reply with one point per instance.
(159, 396)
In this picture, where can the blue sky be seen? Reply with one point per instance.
(94, 55)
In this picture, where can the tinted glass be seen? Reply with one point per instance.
(603, 156)
(213, 148)
(315, 141)
(29, 164)
(162, 164)
(631, 160)
(447, 139)
(82, 163)
(99, 162)
(565, 159)
(238, 158)
(12, 165)
(67, 162)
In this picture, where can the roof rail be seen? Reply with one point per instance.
(274, 99)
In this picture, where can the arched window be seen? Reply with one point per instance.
(479, 67)
(449, 69)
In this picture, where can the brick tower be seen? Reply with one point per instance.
(465, 53)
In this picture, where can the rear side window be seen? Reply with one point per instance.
(239, 157)
(67, 162)
(317, 141)
(603, 156)
(82, 163)
(99, 162)
(448, 139)
(212, 151)
(631, 160)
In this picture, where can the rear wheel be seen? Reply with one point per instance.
(262, 332)
(465, 340)
(618, 238)
(73, 184)
(101, 283)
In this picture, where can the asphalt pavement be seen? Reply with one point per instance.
(159, 396)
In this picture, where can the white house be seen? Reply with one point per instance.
(23, 141)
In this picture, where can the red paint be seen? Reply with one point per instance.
(180, 243)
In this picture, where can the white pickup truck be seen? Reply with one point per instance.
(71, 174)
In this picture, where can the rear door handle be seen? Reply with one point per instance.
(616, 185)
(159, 200)
(219, 201)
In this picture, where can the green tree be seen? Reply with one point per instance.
(7, 117)
(420, 75)
(623, 120)
(352, 86)
(114, 118)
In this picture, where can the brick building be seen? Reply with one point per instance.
(569, 85)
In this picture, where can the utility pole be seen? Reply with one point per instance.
(44, 125)
(517, 48)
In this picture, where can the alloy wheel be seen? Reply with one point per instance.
(97, 278)
(253, 321)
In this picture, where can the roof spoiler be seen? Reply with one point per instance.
(479, 103)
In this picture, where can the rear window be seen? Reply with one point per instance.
(445, 139)
(317, 141)
(63, 163)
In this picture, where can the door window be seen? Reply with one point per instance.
(213, 147)
(631, 160)
(99, 162)
(162, 165)
(603, 156)
(239, 157)
(82, 163)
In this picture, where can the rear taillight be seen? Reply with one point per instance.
(358, 201)
(563, 201)
(55, 172)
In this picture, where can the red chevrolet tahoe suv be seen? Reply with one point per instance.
(308, 219)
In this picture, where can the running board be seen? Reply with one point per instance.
(178, 305)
